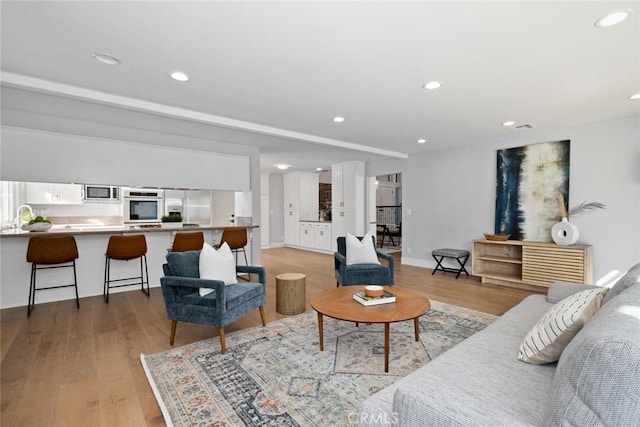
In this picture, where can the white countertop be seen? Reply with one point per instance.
(83, 229)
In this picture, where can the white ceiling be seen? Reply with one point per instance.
(281, 70)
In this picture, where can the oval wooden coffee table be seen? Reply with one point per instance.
(339, 304)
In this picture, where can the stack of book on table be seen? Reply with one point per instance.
(363, 299)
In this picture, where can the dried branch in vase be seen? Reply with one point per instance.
(562, 205)
(585, 207)
(565, 212)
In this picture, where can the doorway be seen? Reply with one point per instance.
(389, 212)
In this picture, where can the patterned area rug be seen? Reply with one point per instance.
(277, 375)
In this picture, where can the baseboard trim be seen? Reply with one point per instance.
(272, 245)
(418, 262)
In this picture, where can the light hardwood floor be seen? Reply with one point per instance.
(64, 367)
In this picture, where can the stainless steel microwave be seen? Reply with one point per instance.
(101, 193)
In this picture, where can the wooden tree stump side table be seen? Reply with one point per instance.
(291, 293)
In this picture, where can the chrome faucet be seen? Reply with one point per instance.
(18, 220)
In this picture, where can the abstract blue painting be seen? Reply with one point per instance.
(528, 180)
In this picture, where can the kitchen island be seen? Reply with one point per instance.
(92, 243)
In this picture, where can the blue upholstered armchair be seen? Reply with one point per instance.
(180, 286)
(361, 274)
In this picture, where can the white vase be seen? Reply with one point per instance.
(564, 233)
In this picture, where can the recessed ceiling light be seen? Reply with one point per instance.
(338, 119)
(612, 19)
(635, 96)
(421, 141)
(180, 76)
(319, 169)
(508, 123)
(432, 85)
(106, 59)
(282, 166)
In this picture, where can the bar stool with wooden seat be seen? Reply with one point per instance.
(53, 252)
(183, 242)
(126, 248)
(236, 238)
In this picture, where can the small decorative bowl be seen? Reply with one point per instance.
(373, 291)
(498, 237)
(38, 226)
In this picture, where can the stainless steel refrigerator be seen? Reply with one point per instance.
(193, 205)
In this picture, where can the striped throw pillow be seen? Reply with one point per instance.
(545, 342)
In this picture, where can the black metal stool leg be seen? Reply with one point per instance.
(245, 257)
(246, 263)
(439, 267)
(141, 276)
(146, 270)
(75, 284)
(235, 251)
(32, 292)
(107, 277)
(462, 263)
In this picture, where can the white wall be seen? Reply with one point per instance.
(449, 195)
(34, 155)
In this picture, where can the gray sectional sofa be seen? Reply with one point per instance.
(480, 382)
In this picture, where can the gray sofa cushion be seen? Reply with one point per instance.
(560, 290)
(478, 382)
(630, 278)
(597, 378)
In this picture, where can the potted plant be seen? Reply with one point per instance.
(172, 221)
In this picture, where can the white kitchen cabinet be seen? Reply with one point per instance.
(348, 211)
(301, 193)
(309, 196)
(301, 202)
(344, 221)
(315, 235)
(336, 188)
(347, 185)
(291, 227)
(307, 234)
(291, 208)
(322, 236)
(43, 193)
(292, 190)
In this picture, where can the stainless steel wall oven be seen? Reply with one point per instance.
(143, 206)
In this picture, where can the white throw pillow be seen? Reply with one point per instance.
(361, 252)
(217, 265)
(545, 342)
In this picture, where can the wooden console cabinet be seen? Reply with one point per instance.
(530, 265)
